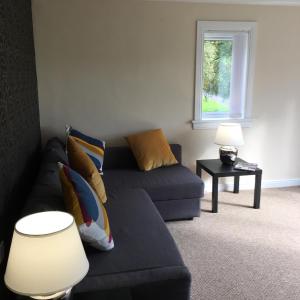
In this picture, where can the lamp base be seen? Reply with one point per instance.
(228, 154)
(60, 295)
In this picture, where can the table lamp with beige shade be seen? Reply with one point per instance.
(229, 136)
(46, 257)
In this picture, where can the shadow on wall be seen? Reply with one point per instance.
(197, 144)
(268, 149)
(288, 134)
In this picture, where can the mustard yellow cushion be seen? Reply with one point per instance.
(81, 163)
(151, 150)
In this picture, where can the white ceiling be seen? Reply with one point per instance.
(253, 2)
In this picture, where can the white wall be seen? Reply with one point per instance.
(111, 68)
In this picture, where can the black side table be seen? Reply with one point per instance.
(217, 169)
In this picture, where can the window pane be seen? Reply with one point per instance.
(217, 77)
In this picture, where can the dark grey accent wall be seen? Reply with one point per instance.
(19, 112)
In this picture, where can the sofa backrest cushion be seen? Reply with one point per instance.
(121, 157)
(46, 193)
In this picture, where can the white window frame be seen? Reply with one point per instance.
(226, 27)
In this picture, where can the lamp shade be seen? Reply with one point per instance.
(229, 134)
(46, 255)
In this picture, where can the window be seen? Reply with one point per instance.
(224, 72)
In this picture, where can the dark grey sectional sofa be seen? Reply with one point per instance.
(145, 262)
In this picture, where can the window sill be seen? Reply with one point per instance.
(206, 124)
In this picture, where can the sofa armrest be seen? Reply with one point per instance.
(177, 151)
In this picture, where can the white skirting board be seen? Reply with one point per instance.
(248, 185)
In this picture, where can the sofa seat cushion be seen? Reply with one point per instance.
(141, 239)
(169, 183)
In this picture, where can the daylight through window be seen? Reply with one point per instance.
(223, 72)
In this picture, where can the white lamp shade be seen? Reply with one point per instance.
(46, 255)
(229, 134)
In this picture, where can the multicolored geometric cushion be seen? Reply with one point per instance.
(81, 163)
(88, 211)
(94, 148)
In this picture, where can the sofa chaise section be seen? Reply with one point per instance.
(175, 190)
(145, 259)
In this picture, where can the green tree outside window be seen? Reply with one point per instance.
(217, 75)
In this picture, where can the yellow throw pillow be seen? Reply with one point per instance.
(151, 149)
(81, 163)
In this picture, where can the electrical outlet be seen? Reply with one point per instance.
(1, 251)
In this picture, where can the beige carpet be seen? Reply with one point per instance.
(243, 253)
